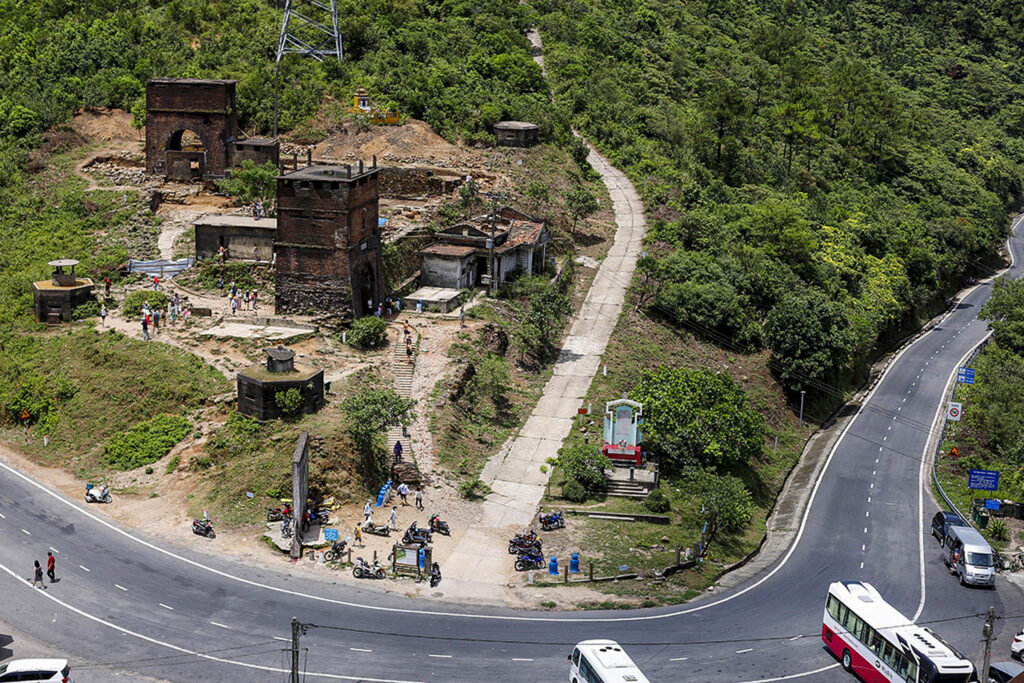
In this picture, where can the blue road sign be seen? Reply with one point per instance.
(330, 534)
(965, 375)
(983, 480)
(991, 504)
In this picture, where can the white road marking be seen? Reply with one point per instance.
(221, 625)
(165, 606)
(867, 513)
(3, 516)
(796, 637)
(865, 529)
(527, 659)
(29, 533)
(749, 649)
(84, 568)
(117, 585)
(678, 659)
(862, 565)
(441, 656)
(872, 485)
(54, 550)
(874, 472)
(361, 649)
(869, 499)
(863, 547)
(287, 640)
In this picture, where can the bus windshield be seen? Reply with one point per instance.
(979, 559)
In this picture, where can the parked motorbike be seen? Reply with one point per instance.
(435, 575)
(529, 560)
(363, 570)
(277, 514)
(416, 535)
(337, 548)
(524, 543)
(551, 520)
(377, 529)
(286, 528)
(97, 494)
(439, 526)
(203, 528)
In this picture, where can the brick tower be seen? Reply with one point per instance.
(328, 242)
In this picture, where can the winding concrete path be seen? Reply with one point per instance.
(514, 475)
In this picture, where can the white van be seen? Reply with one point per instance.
(969, 556)
(602, 661)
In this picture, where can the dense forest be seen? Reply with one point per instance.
(820, 175)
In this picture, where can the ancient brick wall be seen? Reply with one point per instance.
(206, 107)
(256, 397)
(415, 182)
(258, 152)
(328, 243)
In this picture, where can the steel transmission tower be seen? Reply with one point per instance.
(310, 29)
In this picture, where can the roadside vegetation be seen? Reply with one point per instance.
(991, 433)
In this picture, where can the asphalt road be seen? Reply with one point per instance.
(124, 602)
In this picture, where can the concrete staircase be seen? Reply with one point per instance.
(626, 482)
(405, 467)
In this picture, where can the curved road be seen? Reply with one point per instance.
(176, 615)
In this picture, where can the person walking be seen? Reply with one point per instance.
(37, 576)
(403, 492)
(408, 352)
(407, 332)
(358, 536)
(273, 261)
(254, 299)
(234, 305)
(367, 509)
(51, 564)
(156, 320)
(156, 284)
(145, 328)
(419, 499)
(106, 286)
(256, 254)
(462, 316)
(103, 315)
(393, 520)
(220, 285)
(398, 450)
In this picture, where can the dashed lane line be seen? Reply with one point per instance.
(84, 568)
(26, 532)
(165, 606)
(120, 587)
(219, 625)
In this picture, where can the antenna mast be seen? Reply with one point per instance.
(309, 28)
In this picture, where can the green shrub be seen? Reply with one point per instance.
(289, 401)
(657, 501)
(146, 442)
(149, 470)
(999, 531)
(474, 489)
(90, 309)
(368, 331)
(132, 304)
(172, 464)
(574, 491)
(584, 464)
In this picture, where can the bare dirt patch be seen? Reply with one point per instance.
(106, 125)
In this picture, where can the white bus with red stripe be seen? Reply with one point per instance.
(877, 643)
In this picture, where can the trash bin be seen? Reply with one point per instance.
(983, 516)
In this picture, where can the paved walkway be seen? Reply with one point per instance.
(514, 475)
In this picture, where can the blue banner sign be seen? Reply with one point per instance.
(983, 480)
(965, 375)
(330, 534)
(991, 504)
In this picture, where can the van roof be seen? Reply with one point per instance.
(969, 536)
(610, 655)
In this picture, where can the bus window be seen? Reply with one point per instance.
(576, 656)
(588, 673)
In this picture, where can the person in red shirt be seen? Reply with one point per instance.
(50, 565)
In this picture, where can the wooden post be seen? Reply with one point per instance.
(350, 555)
(679, 552)
(591, 570)
(566, 573)
(374, 555)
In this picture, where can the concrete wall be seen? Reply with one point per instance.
(239, 241)
(259, 154)
(256, 398)
(441, 271)
(415, 182)
(56, 305)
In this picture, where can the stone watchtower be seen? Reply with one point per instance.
(205, 107)
(328, 243)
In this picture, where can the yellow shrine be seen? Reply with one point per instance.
(380, 117)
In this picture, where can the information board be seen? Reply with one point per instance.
(983, 480)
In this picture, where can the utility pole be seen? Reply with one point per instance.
(986, 632)
(802, 392)
(296, 631)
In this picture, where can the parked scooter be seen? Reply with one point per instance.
(551, 520)
(529, 560)
(286, 527)
(435, 575)
(377, 529)
(524, 543)
(97, 494)
(414, 534)
(277, 514)
(439, 526)
(203, 528)
(362, 570)
(337, 548)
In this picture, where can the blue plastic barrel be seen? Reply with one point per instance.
(574, 564)
(553, 566)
